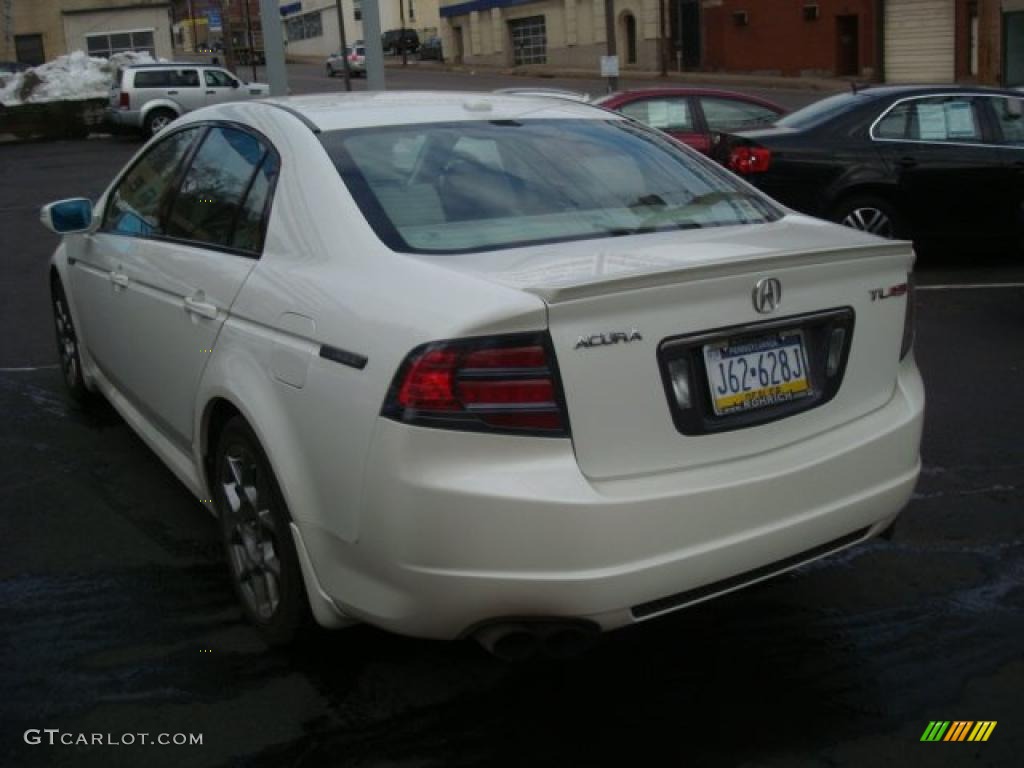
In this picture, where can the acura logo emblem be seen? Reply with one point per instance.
(767, 295)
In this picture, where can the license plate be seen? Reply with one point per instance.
(757, 373)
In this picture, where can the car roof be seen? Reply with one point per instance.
(334, 111)
(925, 89)
(171, 65)
(632, 93)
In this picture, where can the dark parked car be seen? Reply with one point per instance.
(928, 163)
(693, 115)
(431, 49)
(397, 40)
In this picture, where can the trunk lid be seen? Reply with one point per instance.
(628, 298)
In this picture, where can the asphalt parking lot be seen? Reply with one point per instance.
(119, 618)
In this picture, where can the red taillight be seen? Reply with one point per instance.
(124, 102)
(744, 160)
(503, 384)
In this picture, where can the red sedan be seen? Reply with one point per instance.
(693, 115)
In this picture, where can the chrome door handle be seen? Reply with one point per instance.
(907, 162)
(172, 93)
(211, 93)
(119, 279)
(203, 308)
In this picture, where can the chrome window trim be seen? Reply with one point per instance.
(972, 94)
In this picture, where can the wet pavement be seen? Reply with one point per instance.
(118, 616)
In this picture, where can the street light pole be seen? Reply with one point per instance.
(252, 41)
(344, 46)
(374, 51)
(609, 31)
(273, 47)
(401, 36)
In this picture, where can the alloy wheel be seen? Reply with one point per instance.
(870, 220)
(158, 123)
(67, 342)
(253, 537)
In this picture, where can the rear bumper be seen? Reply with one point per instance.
(127, 118)
(460, 529)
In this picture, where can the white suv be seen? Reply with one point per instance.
(149, 96)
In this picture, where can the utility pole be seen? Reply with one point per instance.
(192, 21)
(401, 37)
(374, 51)
(273, 47)
(229, 43)
(662, 39)
(249, 37)
(344, 46)
(609, 32)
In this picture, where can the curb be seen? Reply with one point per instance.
(729, 79)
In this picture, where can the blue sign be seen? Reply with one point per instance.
(287, 10)
(213, 19)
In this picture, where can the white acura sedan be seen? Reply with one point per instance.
(498, 366)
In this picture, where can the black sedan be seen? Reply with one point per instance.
(932, 164)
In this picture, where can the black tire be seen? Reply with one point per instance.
(330, 71)
(67, 345)
(258, 543)
(873, 214)
(157, 120)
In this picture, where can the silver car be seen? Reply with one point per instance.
(356, 55)
(149, 96)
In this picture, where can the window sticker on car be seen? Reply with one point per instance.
(932, 119)
(960, 120)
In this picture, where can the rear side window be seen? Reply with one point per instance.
(136, 203)
(157, 78)
(214, 194)
(166, 78)
(728, 115)
(936, 119)
(663, 114)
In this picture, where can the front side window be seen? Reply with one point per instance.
(663, 114)
(472, 186)
(135, 204)
(216, 78)
(727, 115)
(1010, 114)
(213, 191)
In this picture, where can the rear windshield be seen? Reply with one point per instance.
(471, 186)
(820, 111)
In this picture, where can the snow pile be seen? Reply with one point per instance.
(73, 77)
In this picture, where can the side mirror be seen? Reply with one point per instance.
(67, 216)
(234, 83)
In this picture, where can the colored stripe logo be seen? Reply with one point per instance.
(958, 730)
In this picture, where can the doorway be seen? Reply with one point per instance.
(457, 39)
(28, 49)
(629, 27)
(1013, 49)
(847, 46)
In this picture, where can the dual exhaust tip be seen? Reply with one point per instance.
(523, 640)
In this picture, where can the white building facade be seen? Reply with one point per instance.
(311, 26)
(565, 33)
